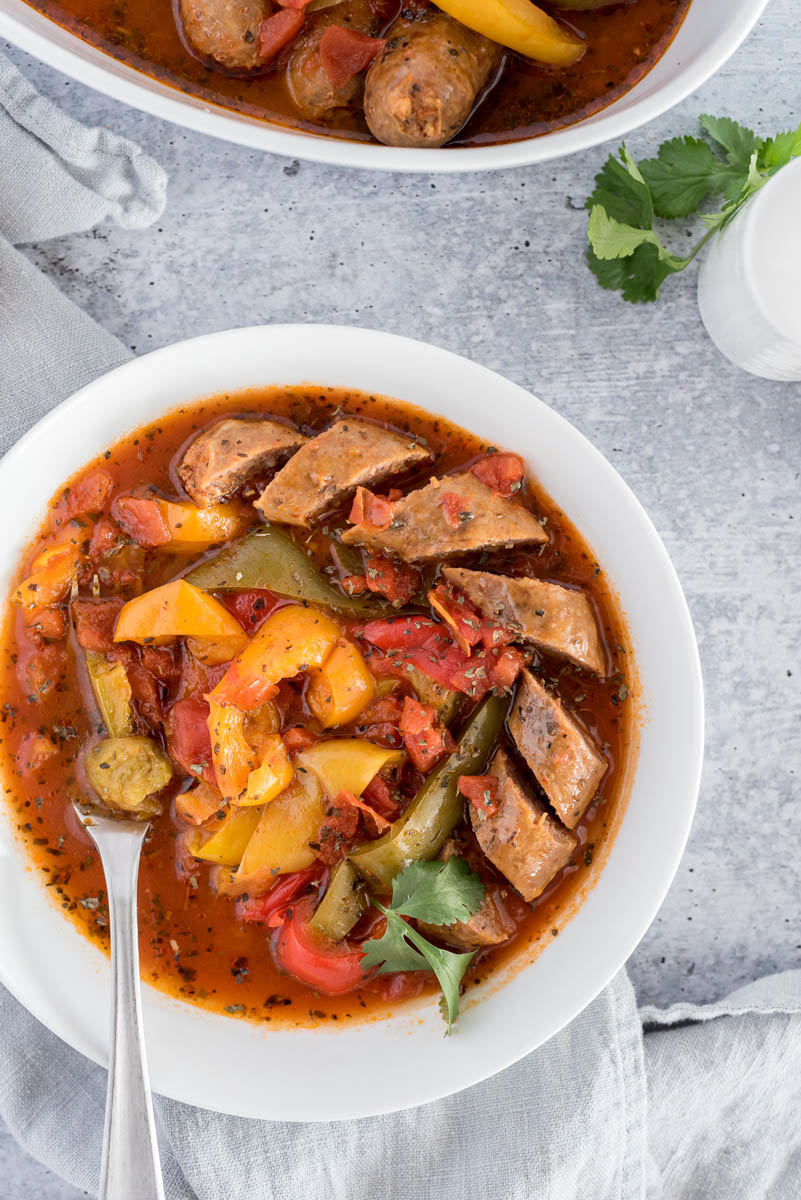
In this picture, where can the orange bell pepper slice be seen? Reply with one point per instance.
(292, 639)
(177, 609)
(340, 689)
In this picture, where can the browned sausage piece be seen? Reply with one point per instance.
(490, 926)
(310, 88)
(328, 469)
(557, 619)
(225, 30)
(225, 456)
(457, 514)
(422, 88)
(565, 760)
(521, 838)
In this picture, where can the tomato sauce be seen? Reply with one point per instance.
(191, 944)
(528, 99)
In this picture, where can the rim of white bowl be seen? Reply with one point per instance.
(479, 1056)
(38, 35)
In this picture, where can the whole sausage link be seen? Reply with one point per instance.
(225, 30)
(422, 88)
(310, 88)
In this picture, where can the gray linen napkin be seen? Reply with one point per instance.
(704, 1106)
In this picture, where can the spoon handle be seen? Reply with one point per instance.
(130, 1168)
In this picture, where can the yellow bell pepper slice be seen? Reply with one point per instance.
(280, 841)
(231, 752)
(292, 639)
(519, 25)
(229, 841)
(346, 764)
(213, 652)
(271, 777)
(176, 609)
(340, 689)
(193, 528)
(113, 693)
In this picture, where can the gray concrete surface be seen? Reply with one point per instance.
(492, 267)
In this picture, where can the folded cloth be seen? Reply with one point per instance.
(702, 1106)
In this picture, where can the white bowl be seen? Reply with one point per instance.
(711, 32)
(64, 980)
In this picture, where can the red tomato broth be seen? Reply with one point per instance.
(191, 944)
(529, 99)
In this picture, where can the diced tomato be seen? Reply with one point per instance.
(282, 893)
(354, 585)
(144, 686)
(40, 665)
(162, 662)
(459, 614)
(105, 539)
(34, 751)
(94, 623)
(394, 580)
(88, 495)
(142, 520)
(374, 823)
(401, 633)
(426, 742)
(188, 738)
(367, 508)
(455, 508)
(251, 607)
(506, 667)
(378, 795)
(298, 738)
(50, 623)
(399, 985)
(481, 791)
(329, 967)
(337, 832)
(504, 473)
(279, 30)
(345, 52)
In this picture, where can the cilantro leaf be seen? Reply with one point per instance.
(684, 172)
(738, 141)
(639, 277)
(623, 193)
(777, 151)
(626, 252)
(402, 948)
(438, 892)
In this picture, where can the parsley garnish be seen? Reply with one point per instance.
(626, 252)
(440, 894)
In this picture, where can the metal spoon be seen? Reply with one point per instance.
(130, 1169)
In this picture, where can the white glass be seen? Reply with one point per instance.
(749, 288)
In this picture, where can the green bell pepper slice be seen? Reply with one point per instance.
(343, 903)
(268, 558)
(437, 808)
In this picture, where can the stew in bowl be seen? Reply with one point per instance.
(369, 684)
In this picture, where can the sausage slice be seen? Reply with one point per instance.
(490, 926)
(556, 619)
(227, 454)
(329, 468)
(422, 88)
(453, 515)
(310, 88)
(520, 837)
(225, 30)
(564, 759)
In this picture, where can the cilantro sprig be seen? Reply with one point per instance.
(626, 252)
(439, 894)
